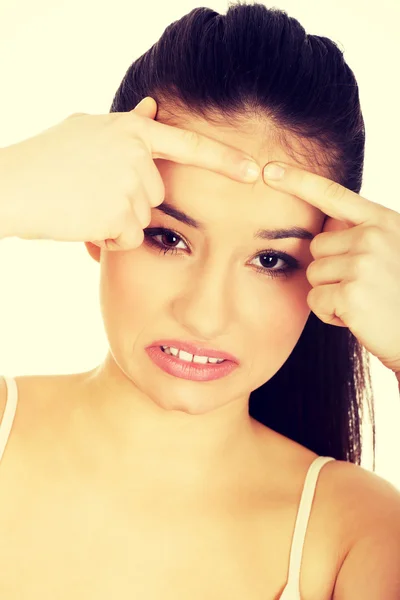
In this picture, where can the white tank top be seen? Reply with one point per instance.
(292, 588)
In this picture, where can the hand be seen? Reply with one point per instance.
(92, 178)
(355, 274)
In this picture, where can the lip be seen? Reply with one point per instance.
(194, 348)
(189, 370)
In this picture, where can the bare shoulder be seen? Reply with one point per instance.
(351, 499)
(369, 519)
(372, 501)
(34, 393)
(38, 412)
(371, 561)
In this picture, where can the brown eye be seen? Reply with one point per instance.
(292, 264)
(170, 237)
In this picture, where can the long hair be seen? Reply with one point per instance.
(259, 62)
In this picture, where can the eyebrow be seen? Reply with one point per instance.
(265, 234)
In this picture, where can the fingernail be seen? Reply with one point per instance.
(251, 171)
(273, 172)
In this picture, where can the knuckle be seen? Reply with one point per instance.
(372, 236)
(309, 270)
(160, 195)
(131, 183)
(364, 264)
(335, 191)
(315, 244)
(351, 293)
(320, 243)
(139, 150)
(389, 219)
(156, 199)
(138, 125)
(125, 210)
(143, 214)
(191, 138)
(146, 221)
(154, 190)
(302, 181)
(157, 195)
(145, 207)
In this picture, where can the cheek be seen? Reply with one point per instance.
(282, 319)
(277, 308)
(275, 325)
(132, 286)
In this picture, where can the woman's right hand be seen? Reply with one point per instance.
(92, 177)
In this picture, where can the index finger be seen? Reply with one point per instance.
(191, 148)
(330, 197)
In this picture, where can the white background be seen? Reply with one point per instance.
(57, 58)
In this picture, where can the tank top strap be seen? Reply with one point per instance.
(9, 413)
(303, 515)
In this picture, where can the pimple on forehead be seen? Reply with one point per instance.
(258, 137)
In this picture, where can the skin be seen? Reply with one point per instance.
(187, 432)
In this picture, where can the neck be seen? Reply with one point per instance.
(164, 445)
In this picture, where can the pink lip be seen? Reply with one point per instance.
(189, 370)
(195, 349)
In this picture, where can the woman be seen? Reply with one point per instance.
(186, 464)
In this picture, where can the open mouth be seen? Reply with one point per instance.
(187, 367)
(189, 358)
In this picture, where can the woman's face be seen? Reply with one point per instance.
(217, 286)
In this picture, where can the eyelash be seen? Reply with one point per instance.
(292, 264)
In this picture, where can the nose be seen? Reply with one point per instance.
(205, 304)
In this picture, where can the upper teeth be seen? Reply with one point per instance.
(190, 357)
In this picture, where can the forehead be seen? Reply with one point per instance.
(257, 137)
(186, 185)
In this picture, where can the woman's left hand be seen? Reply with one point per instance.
(355, 275)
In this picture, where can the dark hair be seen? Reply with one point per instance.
(256, 62)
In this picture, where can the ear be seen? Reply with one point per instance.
(93, 250)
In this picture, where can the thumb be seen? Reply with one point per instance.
(146, 108)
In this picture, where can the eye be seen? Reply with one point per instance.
(151, 233)
(291, 263)
(171, 237)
